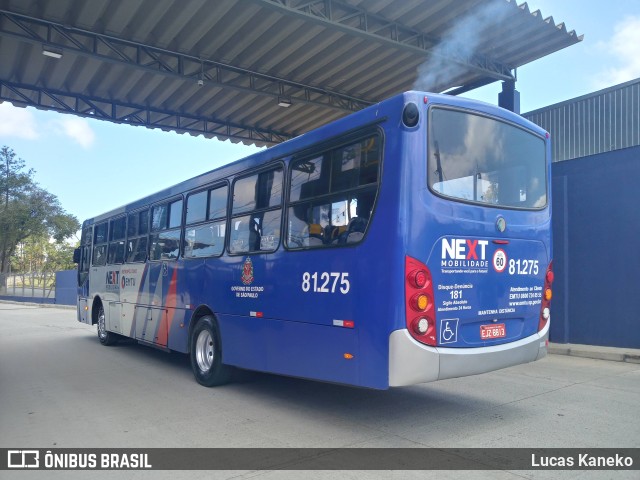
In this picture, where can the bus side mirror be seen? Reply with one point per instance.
(76, 255)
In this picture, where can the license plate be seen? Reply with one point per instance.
(489, 332)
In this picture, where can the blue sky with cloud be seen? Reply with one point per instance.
(94, 166)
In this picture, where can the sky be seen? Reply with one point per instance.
(93, 166)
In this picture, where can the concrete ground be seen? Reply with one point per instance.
(59, 388)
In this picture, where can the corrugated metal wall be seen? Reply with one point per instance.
(596, 257)
(600, 122)
(595, 227)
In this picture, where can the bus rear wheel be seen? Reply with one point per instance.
(105, 337)
(206, 354)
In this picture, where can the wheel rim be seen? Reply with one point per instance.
(102, 329)
(204, 351)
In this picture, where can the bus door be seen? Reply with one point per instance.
(83, 259)
(152, 321)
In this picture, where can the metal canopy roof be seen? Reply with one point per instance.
(256, 71)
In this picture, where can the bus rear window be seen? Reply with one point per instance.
(483, 160)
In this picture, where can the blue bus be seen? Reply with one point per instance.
(405, 243)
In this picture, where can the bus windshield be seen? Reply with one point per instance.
(483, 160)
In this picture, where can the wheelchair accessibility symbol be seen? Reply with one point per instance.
(449, 331)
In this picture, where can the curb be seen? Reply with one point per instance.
(612, 354)
(35, 304)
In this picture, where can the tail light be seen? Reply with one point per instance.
(547, 294)
(419, 307)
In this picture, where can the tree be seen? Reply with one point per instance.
(41, 254)
(27, 210)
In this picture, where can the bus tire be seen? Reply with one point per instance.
(106, 338)
(205, 353)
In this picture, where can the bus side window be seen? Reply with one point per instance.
(166, 221)
(137, 230)
(100, 244)
(257, 213)
(117, 233)
(238, 243)
(205, 223)
(332, 196)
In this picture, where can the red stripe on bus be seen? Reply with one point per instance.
(172, 299)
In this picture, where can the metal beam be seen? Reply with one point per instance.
(356, 21)
(131, 114)
(170, 63)
(470, 86)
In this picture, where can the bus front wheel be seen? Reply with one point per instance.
(206, 354)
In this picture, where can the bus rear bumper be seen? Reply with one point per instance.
(411, 362)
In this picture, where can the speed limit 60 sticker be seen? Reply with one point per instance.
(499, 260)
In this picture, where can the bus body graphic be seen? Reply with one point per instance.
(380, 250)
